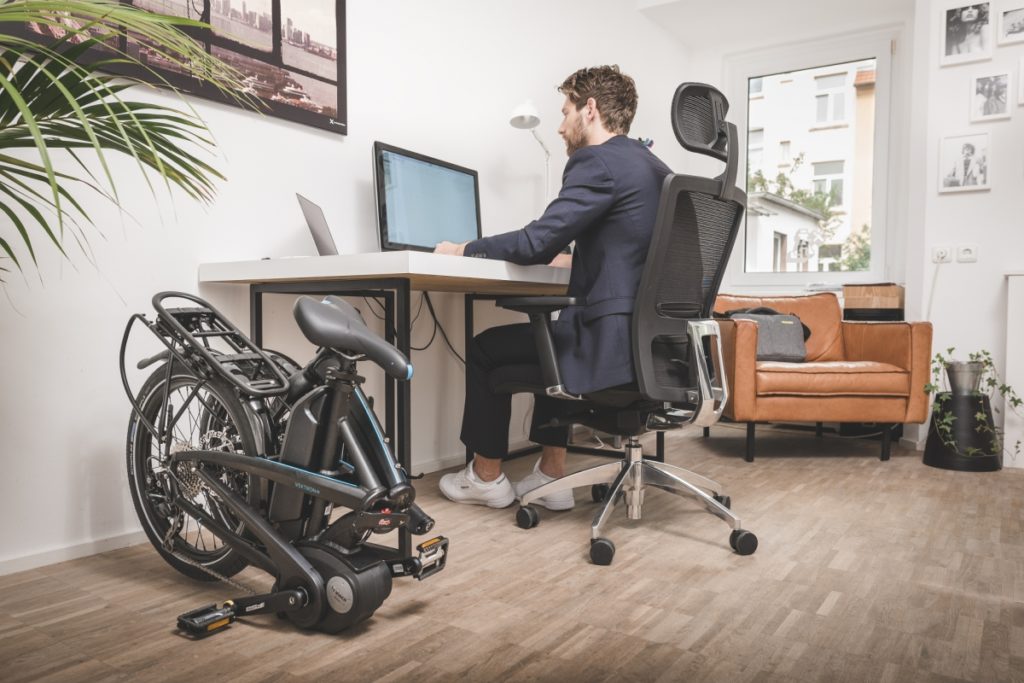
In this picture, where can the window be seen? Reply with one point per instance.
(826, 183)
(785, 153)
(755, 149)
(828, 180)
(830, 98)
(779, 251)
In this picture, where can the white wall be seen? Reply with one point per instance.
(440, 78)
(969, 301)
(968, 305)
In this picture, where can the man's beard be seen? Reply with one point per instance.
(575, 139)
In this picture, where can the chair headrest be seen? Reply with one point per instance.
(698, 119)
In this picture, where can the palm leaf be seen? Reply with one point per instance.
(50, 101)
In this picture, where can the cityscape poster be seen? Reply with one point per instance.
(290, 53)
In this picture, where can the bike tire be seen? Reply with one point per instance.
(220, 423)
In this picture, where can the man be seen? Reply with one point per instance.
(966, 170)
(607, 205)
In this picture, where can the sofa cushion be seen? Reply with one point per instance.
(820, 312)
(835, 378)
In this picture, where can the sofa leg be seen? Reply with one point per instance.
(749, 457)
(818, 432)
(707, 432)
(886, 441)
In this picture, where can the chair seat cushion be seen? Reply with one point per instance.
(832, 378)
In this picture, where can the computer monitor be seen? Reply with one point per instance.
(422, 201)
(317, 227)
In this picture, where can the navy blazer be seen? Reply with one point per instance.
(607, 204)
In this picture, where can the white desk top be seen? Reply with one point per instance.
(425, 271)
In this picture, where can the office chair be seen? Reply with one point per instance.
(677, 350)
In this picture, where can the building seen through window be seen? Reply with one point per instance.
(810, 152)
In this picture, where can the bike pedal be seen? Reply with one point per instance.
(207, 620)
(433, 555)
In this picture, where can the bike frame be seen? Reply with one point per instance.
(332, 432)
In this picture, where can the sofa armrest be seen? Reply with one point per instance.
(905, 345)
(739, 348)
(881, 342)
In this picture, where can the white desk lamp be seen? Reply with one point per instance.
(526, 117)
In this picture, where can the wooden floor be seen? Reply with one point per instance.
(866, 571)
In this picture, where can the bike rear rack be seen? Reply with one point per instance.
(188, 333)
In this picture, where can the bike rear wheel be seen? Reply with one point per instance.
(194, 415)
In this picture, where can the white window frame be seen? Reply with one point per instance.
(877, 44)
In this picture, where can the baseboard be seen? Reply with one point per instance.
(914, 444)
(19, 564)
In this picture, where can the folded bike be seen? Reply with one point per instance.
(237, 457)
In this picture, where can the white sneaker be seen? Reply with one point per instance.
(464, 487)
(562, 500)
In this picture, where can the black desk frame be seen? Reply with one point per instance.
(396, 293)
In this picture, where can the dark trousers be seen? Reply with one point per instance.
(485, 418)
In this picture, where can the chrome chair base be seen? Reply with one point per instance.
(628, 479)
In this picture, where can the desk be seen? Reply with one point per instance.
(390, 276)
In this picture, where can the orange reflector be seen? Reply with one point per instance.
(218, 624)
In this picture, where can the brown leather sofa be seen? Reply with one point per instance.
(854, 371)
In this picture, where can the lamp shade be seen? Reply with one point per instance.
(525, 116)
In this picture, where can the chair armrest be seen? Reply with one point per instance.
(539, 308)
(905, 345)
(739, 347)
(536, 304)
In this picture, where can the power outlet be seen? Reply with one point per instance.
(967, 253)
(942, 255)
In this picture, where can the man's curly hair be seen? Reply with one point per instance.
(614, 92)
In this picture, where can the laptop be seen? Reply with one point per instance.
(317, 223)
(422, 201)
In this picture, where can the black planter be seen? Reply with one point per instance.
(965, 436)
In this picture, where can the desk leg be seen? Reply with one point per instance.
(468, 301)
(389, 382)
(404, 327)
(256, 316)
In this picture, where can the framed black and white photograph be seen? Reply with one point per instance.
(967, 34)
(1011, 24)
(963, 163)
(291, 54)
(990, 97)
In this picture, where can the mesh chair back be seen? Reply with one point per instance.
(696, 227)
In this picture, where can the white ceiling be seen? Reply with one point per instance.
(737, 25)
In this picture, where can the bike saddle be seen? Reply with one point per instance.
(334, 323)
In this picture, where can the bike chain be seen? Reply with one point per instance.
(215, 574)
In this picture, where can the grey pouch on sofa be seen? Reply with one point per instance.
(780, 336)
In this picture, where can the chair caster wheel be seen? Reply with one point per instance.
(599, 492)
(743, 542)
(527, 517)
(602, 551)
(726, 501)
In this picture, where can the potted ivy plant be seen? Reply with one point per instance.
(963, 434)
